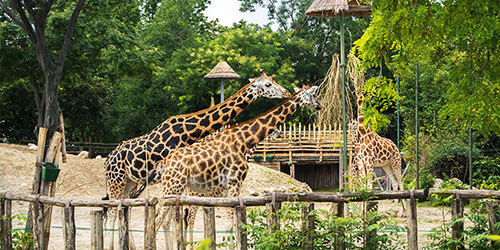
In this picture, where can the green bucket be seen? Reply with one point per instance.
(50, 171)
(257, 158)
(269, 157)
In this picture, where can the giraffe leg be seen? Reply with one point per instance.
(116, 190)
(130, 188)
(174, 181)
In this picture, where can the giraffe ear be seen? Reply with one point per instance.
(296, 89)
(251, 79)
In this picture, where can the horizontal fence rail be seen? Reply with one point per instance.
(272, 201)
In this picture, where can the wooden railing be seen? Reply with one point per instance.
(304, 143)
(238, 203)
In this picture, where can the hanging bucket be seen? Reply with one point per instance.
(50, 171)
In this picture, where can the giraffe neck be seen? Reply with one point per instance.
(195, 126)
(255, 130)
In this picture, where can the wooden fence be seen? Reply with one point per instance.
(271, 201)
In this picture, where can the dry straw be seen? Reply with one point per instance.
(330, 93)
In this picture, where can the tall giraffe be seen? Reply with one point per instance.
(219, 165)
(372, 150)
(133, 160)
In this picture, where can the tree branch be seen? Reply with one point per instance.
(24, 23)
(67, 38)
(10, 14)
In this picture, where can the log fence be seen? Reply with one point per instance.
(271, 201)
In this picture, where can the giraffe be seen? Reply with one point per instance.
(219, 165)
(372, 150)
(133, 160)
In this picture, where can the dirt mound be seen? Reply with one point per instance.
(84, 178)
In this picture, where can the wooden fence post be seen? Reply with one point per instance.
(6, 223)
(149, 227)
(96, 230)
(178, 227)
(457, 212)
(38, 224)
(412, 232)
(273, 222)
(123, 227)
(68, 215)
(241, 218)
(493, 208)
(209, 225)
(308, 226)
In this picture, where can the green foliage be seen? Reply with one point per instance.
(474, 236)
(20, 238)
(454, 43)
(381, 96)
(330, 230)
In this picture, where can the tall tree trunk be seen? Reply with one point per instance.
(51, 116)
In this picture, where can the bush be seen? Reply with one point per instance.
(330, 230)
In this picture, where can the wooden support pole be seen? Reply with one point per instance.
(37, 175)
(457, 212)
(50, 156)
(149, 227)
(209, 226)
(123, 227)
(178, 227)
(493, 208)
(63, 140)
(241, 218)
(6, 223)
(308, 226)
(96, 230)
(69, 230)
(412, 230)
(273, 222)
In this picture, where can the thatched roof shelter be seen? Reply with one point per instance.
(222, 71)
(334, 7)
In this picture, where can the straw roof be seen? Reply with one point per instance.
(222, 71)
(334, 7)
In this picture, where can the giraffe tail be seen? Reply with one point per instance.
(105, 209)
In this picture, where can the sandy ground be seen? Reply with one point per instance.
(83, 179)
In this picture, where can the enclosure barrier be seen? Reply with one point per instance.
(272, 202)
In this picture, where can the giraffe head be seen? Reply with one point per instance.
(308, 96)
(266, 86)
(353, 125)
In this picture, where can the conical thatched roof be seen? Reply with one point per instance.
(333, 8)
(222, 71)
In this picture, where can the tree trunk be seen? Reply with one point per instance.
(51, 119)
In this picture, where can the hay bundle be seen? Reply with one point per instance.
(330, 93)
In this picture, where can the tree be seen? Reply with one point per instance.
(456, 40)
(32, 18)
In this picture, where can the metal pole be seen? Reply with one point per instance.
(416, 123)
(470, 155)
(342, 78)
(398, 116)
(221, 90)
